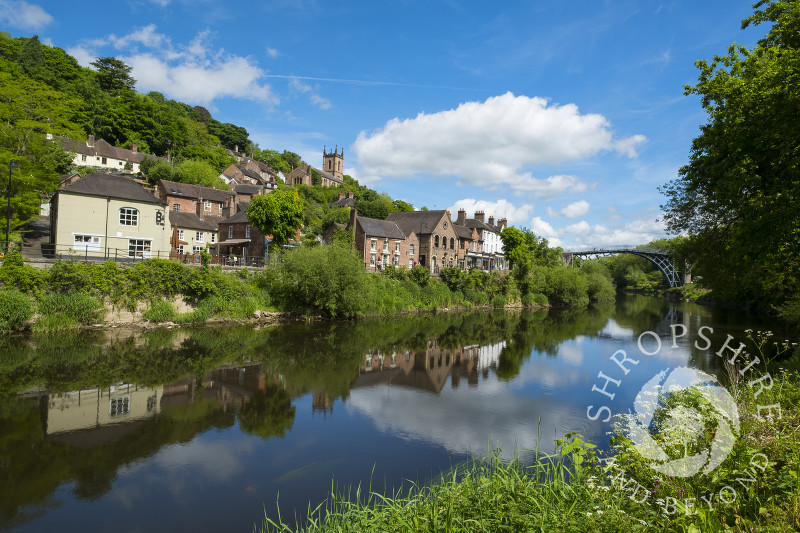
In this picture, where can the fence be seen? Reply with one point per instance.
(89, 253)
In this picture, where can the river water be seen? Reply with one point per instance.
(207, 429)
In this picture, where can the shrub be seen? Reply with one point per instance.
(67, 310)
(420, 275)
(159, 311)
(499, 301)
(600, 288)
(324, 279)
(14, 274)
(15, 310)
(566, 286)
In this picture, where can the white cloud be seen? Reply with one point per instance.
(499, 209)
(21, 14)
(272, 52)
(313, 96)
(490, 143)
(542, 228)
(639, 230)
(192, 73)
(82, 55)
(575, 209)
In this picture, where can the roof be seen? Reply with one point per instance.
(343, 202)
(233, 242)
(238, 218)
(463, 232)
(373, 227)
(306, 169)
(103, 149)
(477, 224)
(191, 221)
(420, 222)
(246, 188)
(112, 186)
(187, 190)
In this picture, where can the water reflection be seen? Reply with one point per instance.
(200, 425)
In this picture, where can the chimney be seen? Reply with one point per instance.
(199, 208)
(479, 216)
(90, 141)
(352, 224)
(341, 196)
(134, 148)
(236, 148)
(502, 223)
(349, 194)
(491, 221)
(462, 217)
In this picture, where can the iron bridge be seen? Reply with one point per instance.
(661, 259)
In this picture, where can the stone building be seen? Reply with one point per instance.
(436, 237)
(382, 243)
(331, 174)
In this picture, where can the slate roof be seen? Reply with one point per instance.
(344, 202)
(246, 188)
(250, 173)
(103, 149)
(419, 222)
(463, 232)
(475, 223)
(191, 221)
(373, 227)
(238, 218)
(305, 168)
(187, 190)
(113, 186)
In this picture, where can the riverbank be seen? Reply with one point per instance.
(323, 281)
(755, 489)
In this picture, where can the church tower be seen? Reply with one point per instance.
(332, 162)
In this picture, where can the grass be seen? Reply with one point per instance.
(580, 489)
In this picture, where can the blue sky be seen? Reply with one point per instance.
(563, 117)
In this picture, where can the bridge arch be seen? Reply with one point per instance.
(660, 259)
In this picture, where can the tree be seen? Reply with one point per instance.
(740, 191)
(113, 75)
(230, 135)
(279, 214)
(517, 252)
(198, 173)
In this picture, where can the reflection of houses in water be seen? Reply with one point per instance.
(96, 416)
(321, 403)
(430, 369)
(108, 413)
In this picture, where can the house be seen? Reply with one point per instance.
(382, 243)
(435, 234)
(330, 175)
(242, 243)
(102, 155)
(191, 234)
(345, 200)
(252, 173)
(108, 215)
(487, 250)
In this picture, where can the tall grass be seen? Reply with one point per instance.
(60, 311)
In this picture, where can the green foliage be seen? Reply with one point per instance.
(419, 275)
(325, 279)
(230, 135)
(14, 274)
(198, 173)
(67, 311)
(113, 75)
(159, 311)
(15, 309)
(279, 214)
(737, 194)
(565, 286)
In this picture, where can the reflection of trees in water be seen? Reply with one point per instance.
(267, 413)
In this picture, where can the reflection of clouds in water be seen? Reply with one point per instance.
(465, 422)
(179, 465)
(571, 354)
(615, 331)
(673, 356)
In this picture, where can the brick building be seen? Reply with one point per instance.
(435, 234)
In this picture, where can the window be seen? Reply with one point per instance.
(180, 249)
(461, 243)
(397, 247)
(180, 234)
(410, 249)
(128, 216)
(247, 232)
(200, 236)
(86, 242)
(230, 232)
(176, 207)
(83, 158)
(410, 263)
(452, 244)
(213, 238)
(372, 260)
(197, 249)
(450, 263)
(105, 161)
(139, 247)
(207, 205)
(444, 263)
(119, 406)
(374, 245)
(396, 260)
(436, 241)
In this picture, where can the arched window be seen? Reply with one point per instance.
(444, 263)
(436, 241)
(452, 244)
(128, 216)
(451, 263)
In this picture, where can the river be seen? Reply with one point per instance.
(207, 429)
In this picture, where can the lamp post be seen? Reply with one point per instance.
(11, 166)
